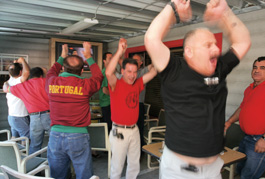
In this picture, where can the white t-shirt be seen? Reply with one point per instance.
(15, 105)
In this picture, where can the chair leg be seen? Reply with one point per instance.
(149, 162)
(47, 172)
(109, 158)
(232, 171)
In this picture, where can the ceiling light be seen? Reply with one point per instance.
(81, 25)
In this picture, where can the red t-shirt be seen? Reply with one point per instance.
(124, 102)
(33, 94)
(252, 118)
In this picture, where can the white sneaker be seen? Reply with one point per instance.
(94, 177)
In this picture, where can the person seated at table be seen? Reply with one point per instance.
(252, 122)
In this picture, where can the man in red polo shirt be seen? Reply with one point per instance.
(32, 93)
(252, 121)
(124, 100)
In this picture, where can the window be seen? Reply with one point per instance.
(5, 60)
(74, 45)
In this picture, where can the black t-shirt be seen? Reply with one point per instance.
(195, 111)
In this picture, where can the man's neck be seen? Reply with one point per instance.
(256, 83)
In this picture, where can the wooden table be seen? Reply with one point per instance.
(229, 157)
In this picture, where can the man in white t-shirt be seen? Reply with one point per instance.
(18, 117)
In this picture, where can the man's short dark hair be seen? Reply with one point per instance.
(259, 59)
(74, 69)
(14, 69)
(105, 55)
(130, 61)
(36, 72)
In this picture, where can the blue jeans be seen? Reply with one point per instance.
(66, 147)
(254, 166)
(19, 126)
(39, 123)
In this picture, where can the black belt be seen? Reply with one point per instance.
(42, 112)
(125, 127)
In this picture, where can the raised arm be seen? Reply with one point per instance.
(56, 67)
(158, 29)
(218, 13)
(97, 77)
(25, 69)
(150, 74)
(110, 70)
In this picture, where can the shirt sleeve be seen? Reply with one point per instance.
(171, 69)
(142, 71)
(228, 61)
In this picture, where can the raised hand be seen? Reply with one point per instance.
(19, 60)
(64, 53)
(122, 45)
(184, 9)
(215, 10)
(87, 50)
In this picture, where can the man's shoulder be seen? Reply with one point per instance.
(14, 81)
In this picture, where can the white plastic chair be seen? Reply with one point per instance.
(12, 157)
(22, 148)
(156, 133)
(146, 114)
(7, 172)
(99, 139)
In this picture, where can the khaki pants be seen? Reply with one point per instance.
(120, 148)
(172, 167)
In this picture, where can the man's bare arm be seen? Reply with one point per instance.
(149, 75)
(110, 70)
(158, 29)
(25, 69)
(233, 118)
(218, 13)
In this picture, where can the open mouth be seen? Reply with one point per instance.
(213, 60)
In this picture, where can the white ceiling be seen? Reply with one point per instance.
(117, 18)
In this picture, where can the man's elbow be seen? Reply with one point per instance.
(148, 41)
(26, 74)
(108, 74)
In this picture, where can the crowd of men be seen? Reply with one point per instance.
(193, 88)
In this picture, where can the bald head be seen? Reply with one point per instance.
(201, 51)
(73, 64)
(190, 36)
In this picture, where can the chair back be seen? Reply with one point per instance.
(146, 110)
(10, 154)
(233, 136)
(161, 118)
(99, 139)
(9, 173)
